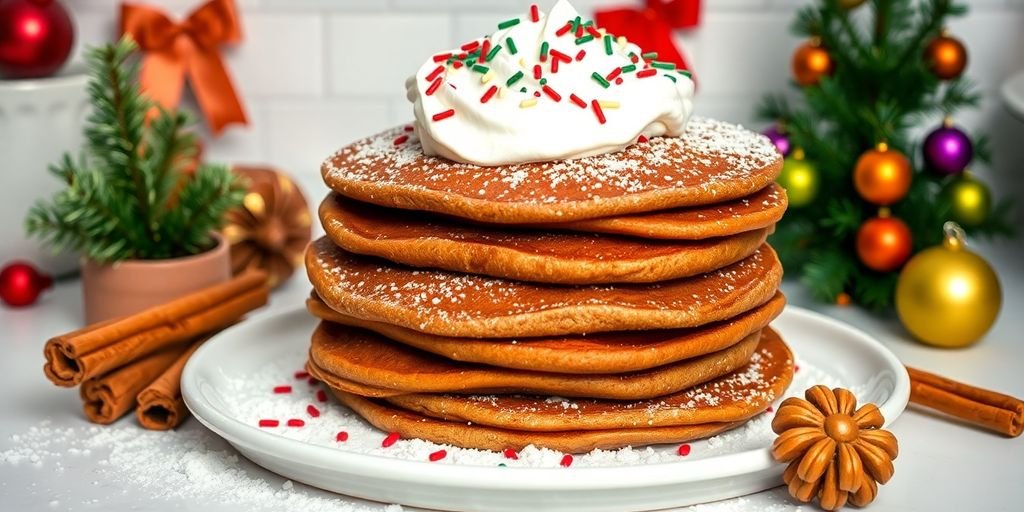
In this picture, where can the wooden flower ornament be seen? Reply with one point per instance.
(835, 451)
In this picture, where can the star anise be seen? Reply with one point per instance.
(835, 451)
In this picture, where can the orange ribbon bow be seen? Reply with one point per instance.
(174, 50)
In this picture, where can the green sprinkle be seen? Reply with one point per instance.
(502, 465)
(588, 23)
(494, 51)
(575, 24)
(544, 50)
(629, 69)
(514, 78)
(522, 89)
(543, 81)
(632, 55)
(508, 23)
(472, 56)
(585, 39)
(608, 44)
(684, 73)
(511, 46)
(599, 79)
(670, 77)
(663, 65)
(649, 55)
(480, 69)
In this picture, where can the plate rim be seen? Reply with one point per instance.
(456, 475)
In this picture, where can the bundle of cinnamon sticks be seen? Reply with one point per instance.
(138, 359)
(981, 407)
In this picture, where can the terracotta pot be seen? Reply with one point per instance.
(122, 288)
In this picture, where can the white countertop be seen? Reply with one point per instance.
(942, 465)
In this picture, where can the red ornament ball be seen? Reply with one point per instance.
(946, 57)
(21, 284)
(884, 243)
(810, 63)
(35, 38)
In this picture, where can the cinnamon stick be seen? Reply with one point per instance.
(107, 398)
(94, 350)
(988, 409)
(160, 404)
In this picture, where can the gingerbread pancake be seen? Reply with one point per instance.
(733, 397)
(462, 305)
(760, 210)
(365, 363)
(596, 353)
(421, 240)
(711, 163)
(414, 426)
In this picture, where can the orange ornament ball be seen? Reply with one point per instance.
(882, 175)
(884, 243)
(946, 56)
(810, 63)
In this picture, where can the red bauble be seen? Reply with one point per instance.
(884, 243)
(35, 38)
(21, 284)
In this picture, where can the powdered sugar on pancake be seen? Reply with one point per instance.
(710, 158)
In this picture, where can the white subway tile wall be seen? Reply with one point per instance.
(317, 74)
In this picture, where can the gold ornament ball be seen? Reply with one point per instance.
(948, 296)
(800, 179)
(970, 200)
(810, 63)
(882, 175)
(946, 56)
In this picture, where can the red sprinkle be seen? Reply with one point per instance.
(441, 57)
(613, 75)
(510, 454)
(470, 46)
(438, 455)
(641, 139)
(484, 51)
(321, 395)
(770, 409)
(594, 32)
(646, 73)
(564, 30)
(295, 422)
(443, 115)
(434, 86)
(634, 58)
(618, 81)
(566, 461)
(560, 56)
(435, 73)
(554, 66)
(457, 64)
(579, 31)
(577, 100)
(301, 374)
(391, 439)
(269, 423)
(312, 381)
(580, 55)
(409, 128)
(534, 13)
(598, 112)
(341, 437)
(536, 72)
(552, 93)
(401, 139)
(536, 94)
(280, 390)
(684, 450)
(796, 368)
(489, 94)
(313, 411)
(463, 55)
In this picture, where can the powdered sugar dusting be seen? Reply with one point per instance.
(711, 153)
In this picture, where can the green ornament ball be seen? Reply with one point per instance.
(800, 179)
(970, 200)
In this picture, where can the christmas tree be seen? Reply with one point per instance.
(865, 193)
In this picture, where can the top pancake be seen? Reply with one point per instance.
(711, 163)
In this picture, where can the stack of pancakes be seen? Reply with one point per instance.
(621, 299)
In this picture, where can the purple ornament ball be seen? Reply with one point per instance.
(948, 150)
(778, 138)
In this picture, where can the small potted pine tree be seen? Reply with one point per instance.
(136, 206)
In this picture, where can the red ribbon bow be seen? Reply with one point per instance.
(651, 28)
(174, 51)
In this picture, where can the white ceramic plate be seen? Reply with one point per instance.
(848, 355)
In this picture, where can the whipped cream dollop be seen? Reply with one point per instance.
(545, 87)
